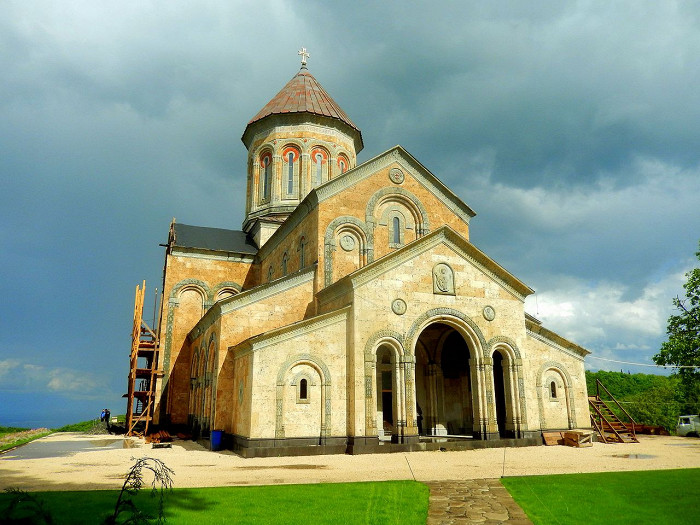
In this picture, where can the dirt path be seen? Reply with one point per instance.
(69, 461)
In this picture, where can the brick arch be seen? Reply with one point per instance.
(516, 377)
(359, 228)
(460, 321)
(173, 303)
(192, 284)
(482, 383)
(403, 196)
(291, 143)
(504, 341)
(325, 375)
(233, 285)
(561, 370)
(393, 339)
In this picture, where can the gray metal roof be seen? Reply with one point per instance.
(214, 239)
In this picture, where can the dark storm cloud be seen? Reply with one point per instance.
(559, 96)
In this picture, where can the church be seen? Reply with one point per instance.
(351, 314)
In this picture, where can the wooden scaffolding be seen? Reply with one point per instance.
(142, 372)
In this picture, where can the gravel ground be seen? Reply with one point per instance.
(73, 461)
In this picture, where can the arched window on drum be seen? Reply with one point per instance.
(291, 170)
(265, 176)
(343, 164)
(319, 167)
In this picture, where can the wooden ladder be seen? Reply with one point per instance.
(609, 426)
(142, 375)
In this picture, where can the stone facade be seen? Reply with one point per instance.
(356, 312)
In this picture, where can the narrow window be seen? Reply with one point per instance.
(303, 393)
(343, 167)
(285, 260)
(553, 390)
(397, 230)
(290, 173)
(266, 178)
(319, 169)
(302, 256)
(270, 271)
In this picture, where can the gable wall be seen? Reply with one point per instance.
(190, 288)
(353, 202)
(548, 363)
(324, 345)
(268, 313)
(412, 281)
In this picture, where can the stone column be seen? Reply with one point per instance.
(304, 176)
(370, 400)
(491, 427)
(409, 374)
(276, 182)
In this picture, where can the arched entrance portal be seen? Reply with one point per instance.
(444, 393)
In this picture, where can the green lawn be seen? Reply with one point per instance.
(658, 496)
(387, 502)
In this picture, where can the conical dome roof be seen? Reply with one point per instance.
(303, 94)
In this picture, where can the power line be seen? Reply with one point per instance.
(641, 364)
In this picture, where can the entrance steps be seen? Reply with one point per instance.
(612, 426)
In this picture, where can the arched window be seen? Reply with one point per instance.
(396, 227)
(318, 173)
(270, 272)
(265, 177)
(343, 164)
(553, 389)
(303, 389)
(302, 254)
(319, 158)
(224, 293)
(285, 260)
(291, 171)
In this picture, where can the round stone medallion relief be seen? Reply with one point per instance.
(396, 175)
(489, 313)
(347, 242)
(398, 306)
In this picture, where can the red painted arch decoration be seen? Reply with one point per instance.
(319, 151)
(265, 155)
(290, 149)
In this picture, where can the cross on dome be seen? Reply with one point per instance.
(304, 55)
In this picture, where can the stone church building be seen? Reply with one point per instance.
(351, 313)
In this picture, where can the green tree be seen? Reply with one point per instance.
(658, 406)
(683, 345)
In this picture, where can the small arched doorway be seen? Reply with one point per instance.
(444, 394)
(387, 406)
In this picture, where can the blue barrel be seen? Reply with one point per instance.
(216, 439)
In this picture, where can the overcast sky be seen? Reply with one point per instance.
(571, 128)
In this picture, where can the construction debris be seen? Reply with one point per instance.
(159, 437)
